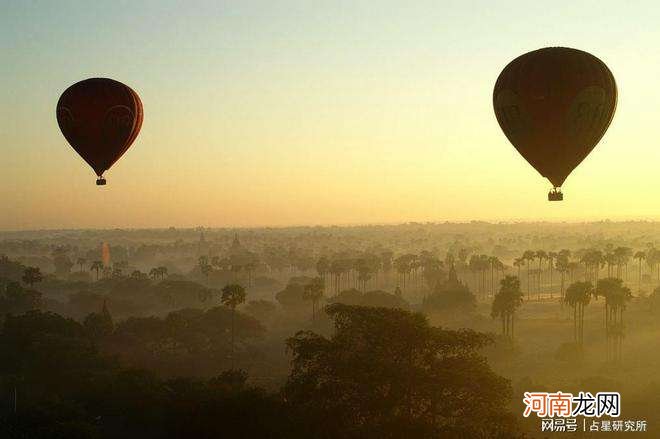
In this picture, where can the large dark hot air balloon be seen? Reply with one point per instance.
(554, 105)
(100, 118)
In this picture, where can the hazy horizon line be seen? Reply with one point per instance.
(345, 225)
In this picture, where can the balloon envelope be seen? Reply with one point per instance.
(554, 105)
(100, 118)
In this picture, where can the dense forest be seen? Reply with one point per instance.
(412, 330)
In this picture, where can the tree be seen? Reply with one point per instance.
(552, 258)
(158, 272)
(387, 373)
(507, 299)
(98, 325)
(31, 276)
(314, 292)
(96, 266)
(322, 267)
(15, 299)
(640, 256)
(495, 264)
(80, 262)
(578, 295)
(232, 296)
(616, 296)
(518, 263)
(403, 265)
(541, 255)
(528, 256)
(138, 275)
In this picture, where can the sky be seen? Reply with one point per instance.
(274, 113)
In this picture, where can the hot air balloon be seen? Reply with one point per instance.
(554, 105)
(100, 118)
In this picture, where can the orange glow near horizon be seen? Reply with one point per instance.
(322, 115)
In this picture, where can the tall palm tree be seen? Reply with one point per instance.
(314, 292)
(162, 271)
(81, 262)
(623, 255)
(616, 296)
(552, 258)
(518, 262)
(336, 271)
(506, 301)
(322, 267)
(232, 296)
(640, 256)
(652, 259)
(528, 256)
(563, 268)
(578, 295)
(96, 266)
(495, 264)
(541, 255)
(572, 268)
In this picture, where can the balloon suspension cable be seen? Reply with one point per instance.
(100, 181)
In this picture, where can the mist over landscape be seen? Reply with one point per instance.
(245, 320)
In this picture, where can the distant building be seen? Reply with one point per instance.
(236, 247)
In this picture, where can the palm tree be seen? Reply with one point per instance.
(563, 268)
(232, 296)
(518, 262)
(32, 275)
(578, 295)
(541, 255)
(96, 266)
(528, 256)
(137, 274)
(81, 262)
(552, 258)
(404, 265)
(572, 267)
(322, 267)
(314, 292)
(640, 255)
(598, 261)
(474, 266)
(616, 296)
(652, 259)
(336, 271)
(507, 299)
(162, 271)
(623, 255)
(494, 263)
(106, 272)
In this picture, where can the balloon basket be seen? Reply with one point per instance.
(555, 195)
(100, 181)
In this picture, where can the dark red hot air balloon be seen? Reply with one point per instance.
(100, 118)
(554, 105)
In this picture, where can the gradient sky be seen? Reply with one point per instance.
(315, 112)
